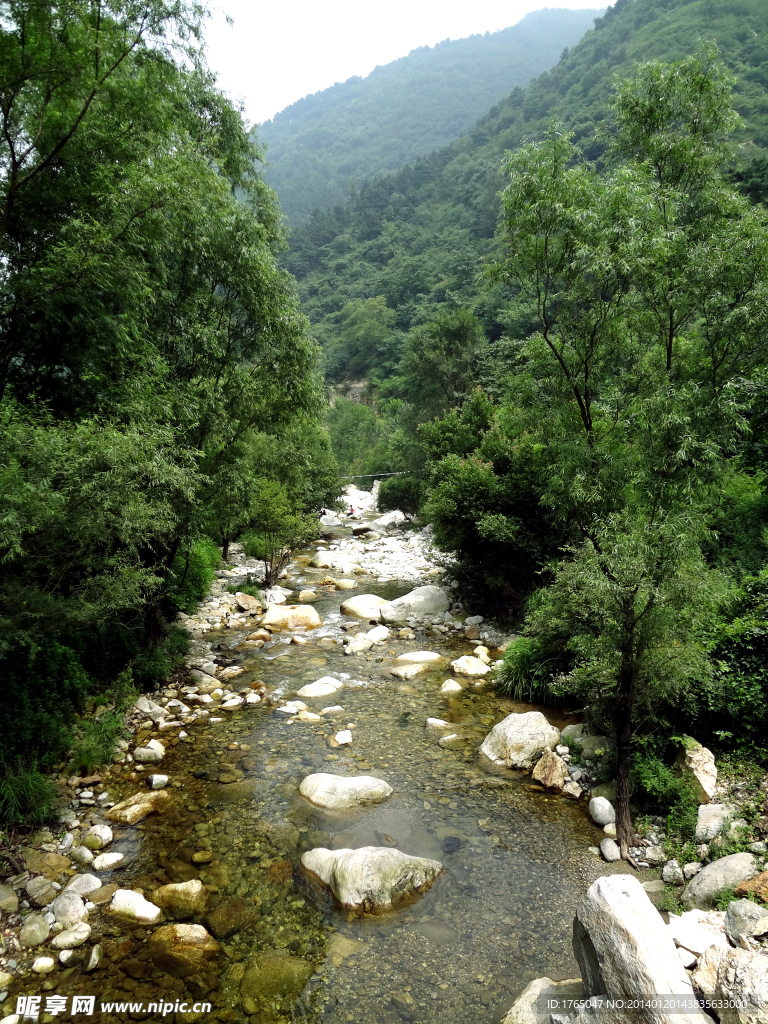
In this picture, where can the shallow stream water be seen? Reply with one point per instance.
(516, 861)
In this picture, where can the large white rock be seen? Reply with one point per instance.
(83, 885)
(624, 949)
(292, 616)
(378, 634)
(698, 766)
(427, 600)
(725, 873)
(469, 665)
(358, 645)
(710, 820)
(737, 982)
(418, 658)
(451, 686)
(69, 909)
(372, 878)
(697, 930)
(132, 905)
(135, 808)
(408, 666)
(530, 1007)
(336, 792)
(601, 811)
(324, 687)
(518, 741)
(362, 606)
(108, 861)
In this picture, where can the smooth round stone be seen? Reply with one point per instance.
(157, 781)
(108, 861)
(44, 965)
(610, 851)
(324, 687)
(335, 792)
(451, 686)
(601, 811)
(97, 837)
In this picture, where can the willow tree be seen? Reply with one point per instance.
(646, 285)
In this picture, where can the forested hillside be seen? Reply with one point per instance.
(321, 145)
(413, 242)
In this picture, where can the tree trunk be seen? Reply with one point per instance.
(225, 546)
(623, 721)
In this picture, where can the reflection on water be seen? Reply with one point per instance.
(499, 915)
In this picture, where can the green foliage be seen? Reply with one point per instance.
(441, 360)
(192, 574)
(148, 341)
(670, 790)
(43, 687)
(359, 437)
(276, 529)
(420, 236)
(401, 492)
(671, 900)
(722, 900)
(26, 795)
(322, 144)
(526, 675)
(94, 742)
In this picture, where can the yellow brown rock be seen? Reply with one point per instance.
(138, 806)
(184, 949)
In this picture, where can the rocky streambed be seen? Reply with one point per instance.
(204, 867)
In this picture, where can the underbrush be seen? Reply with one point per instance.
(96, 736)
(26, 795)
(668, 789)
(526, 672)
(192, 575)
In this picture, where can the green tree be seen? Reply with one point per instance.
(645, 285)
(441, 360)
(276, 528)
(147, 332)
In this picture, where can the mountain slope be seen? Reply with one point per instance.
(320, 145)
(418, 237)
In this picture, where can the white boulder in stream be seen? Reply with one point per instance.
(625, 951)
(421, 601)
(292, 616)
(324, 687)
(338, 792)
(518, 741)
(371, 879)
(363, 606)
(412, 664)
(469, 665)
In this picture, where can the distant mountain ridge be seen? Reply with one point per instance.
(322, 144)
(418, 238)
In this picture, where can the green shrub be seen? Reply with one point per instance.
(26, 795)
(42, 688)
(526, 672)
(724, 898)
(669, 789)
(401, 493)
(94, 742)
(192, 574)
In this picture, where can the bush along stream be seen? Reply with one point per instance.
(330, 814)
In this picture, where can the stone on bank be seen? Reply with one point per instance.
(519, 740)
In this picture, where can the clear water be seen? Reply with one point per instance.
(516, 861)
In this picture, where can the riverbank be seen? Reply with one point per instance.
(229, 748)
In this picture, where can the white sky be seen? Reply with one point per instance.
(278, 52)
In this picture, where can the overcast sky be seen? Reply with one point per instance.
(276, 53)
